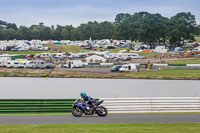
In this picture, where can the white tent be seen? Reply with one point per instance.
(95, 58)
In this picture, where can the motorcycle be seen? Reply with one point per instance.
(80, 107)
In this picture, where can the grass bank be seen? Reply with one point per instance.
(54, 49)
(104, 128)
(26, 52)
(162, 74)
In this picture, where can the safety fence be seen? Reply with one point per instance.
(146, 65)
(114, 105)
(35, 105)
(153, 104)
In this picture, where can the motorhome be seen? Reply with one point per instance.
(128, 68)
(74, 64)
(40, 64)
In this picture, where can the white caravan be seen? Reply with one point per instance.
(128, 68)
(74, 64)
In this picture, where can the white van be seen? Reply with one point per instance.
(74, 64)
(128, 68)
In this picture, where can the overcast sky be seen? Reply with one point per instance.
(75, 12)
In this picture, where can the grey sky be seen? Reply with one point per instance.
(75, 12)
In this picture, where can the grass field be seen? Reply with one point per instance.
(103, 128)
(66, 48)
(197, 38)
(116, 50)
(186, 61)
(150, 55)
(54, 49)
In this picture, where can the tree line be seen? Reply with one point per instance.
(141, 26)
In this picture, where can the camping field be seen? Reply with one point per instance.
(104, 128)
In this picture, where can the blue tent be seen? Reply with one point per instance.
(178, 49)
(28, 43)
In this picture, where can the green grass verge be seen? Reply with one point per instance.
(104, 128)
(185, 61)
(162, 74)
(168, 74)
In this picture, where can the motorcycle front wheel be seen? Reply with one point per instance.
(77, 112)
(101, 111)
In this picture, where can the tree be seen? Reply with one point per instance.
(152, 29)
(12, 26)
(198, 30)
(66, 33)
(11, 34)
(105, 30)
(57, 32)
(3, 33)
(182, 27)
(121, 17)
(24, 33)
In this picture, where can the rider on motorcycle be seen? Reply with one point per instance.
(87, 99)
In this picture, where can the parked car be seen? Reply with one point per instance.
(115, 68)
(127, 58)
(49, 66)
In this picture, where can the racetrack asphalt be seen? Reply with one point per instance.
(112, 118)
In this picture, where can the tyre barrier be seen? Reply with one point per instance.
(114, 105)
(35, 105)
(153, 104)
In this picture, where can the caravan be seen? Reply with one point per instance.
(9, 64)
(40, 64)
(74, 64)
(128, 68)
(1, 63)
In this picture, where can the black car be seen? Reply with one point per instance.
(115, 68)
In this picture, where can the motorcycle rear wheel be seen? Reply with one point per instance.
(77, 112)
(101, 111)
